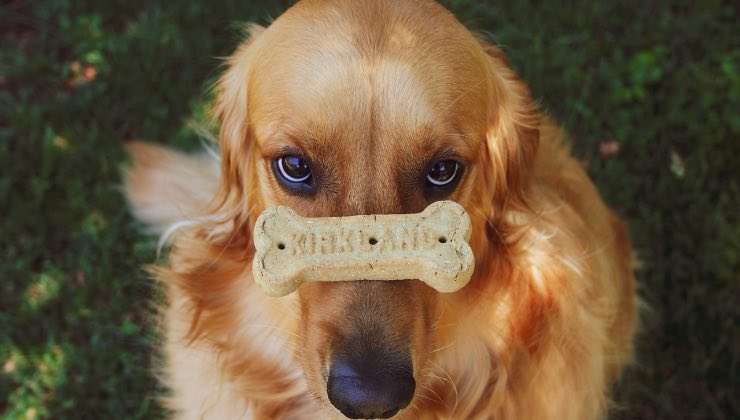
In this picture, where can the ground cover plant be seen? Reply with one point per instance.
(649, 91)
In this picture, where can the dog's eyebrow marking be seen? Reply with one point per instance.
(430, 246)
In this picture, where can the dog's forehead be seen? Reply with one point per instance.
(367, 72)
(350, 96)
(327, 94)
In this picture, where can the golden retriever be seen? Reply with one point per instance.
(379, 107)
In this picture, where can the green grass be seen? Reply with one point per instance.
(660, 78)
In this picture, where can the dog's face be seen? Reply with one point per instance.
(333, 112)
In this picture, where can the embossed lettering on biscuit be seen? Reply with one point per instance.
(430, 246)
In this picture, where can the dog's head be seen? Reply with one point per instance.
(346, 108)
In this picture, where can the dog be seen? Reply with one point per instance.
(383, 107)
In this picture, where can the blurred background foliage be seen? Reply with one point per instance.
(649, 91)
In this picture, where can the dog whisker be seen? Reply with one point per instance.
(443, 347)
(452, 383)
(462, 95)
(290, 309)
(438, 327)
(439, 399)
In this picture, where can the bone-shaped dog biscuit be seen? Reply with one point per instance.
(430, 246)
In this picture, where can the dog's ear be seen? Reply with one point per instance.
(512, 133)
(231, 111)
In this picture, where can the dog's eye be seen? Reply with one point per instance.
(443, 172)
(293, 169)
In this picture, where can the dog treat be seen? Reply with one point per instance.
(430, 246)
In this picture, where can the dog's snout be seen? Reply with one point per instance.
(370, 389)
(372, 346)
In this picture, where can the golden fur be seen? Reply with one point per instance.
(371, 90)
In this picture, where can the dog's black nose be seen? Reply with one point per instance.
(370, 389)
